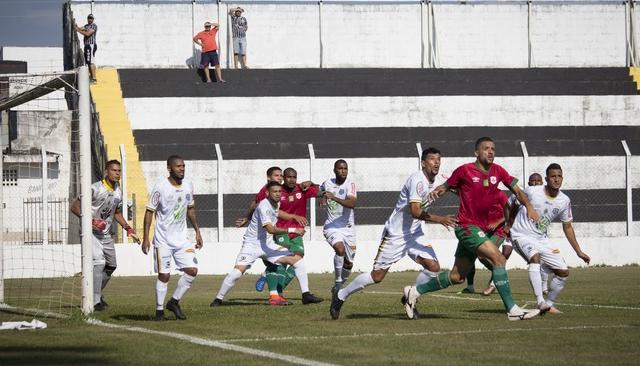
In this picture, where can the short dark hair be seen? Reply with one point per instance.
(483, 139)
(272, 184)
(429, 150)
(172, 159)
(339, 161)
(535, 175)
(272, 169)
(109, 163)
(553, 166)
(289, 170)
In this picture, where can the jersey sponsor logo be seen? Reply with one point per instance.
(420, 188)
(475, 179)
(155, 199)
(493, 179)
(556, 210)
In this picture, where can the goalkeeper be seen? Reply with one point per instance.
(106, 205)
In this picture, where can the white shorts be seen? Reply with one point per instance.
(104, 251)
(184, 257)
(250, 252)
(392, 249)
(346, 236)
(550, 256)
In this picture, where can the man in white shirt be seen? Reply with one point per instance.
(530, 239)
(172, 203)
(339, 196)
(403, 232)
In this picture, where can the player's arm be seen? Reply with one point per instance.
(191, 215)
(348, 202)
(148, 218)
(524, 200)
(438, 191)
(274, 230)
(125, 225)
(570, 234)
(307, 184)
(85, 32)
(417, 213)
(291, 217)
(242, 221)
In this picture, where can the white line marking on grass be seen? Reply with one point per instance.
(420, 334)
(212, 343)
(453, 297)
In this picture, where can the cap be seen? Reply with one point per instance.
(90, 16)
(207, 24)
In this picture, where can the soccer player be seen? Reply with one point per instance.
(403, 232)
(535, 179)
(294, 202)
(172, 202)
(106, 206)
(532, 243)
(339, 228)
(256, 243)
(477, 185)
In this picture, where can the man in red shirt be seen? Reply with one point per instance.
(477, 184)
(207, 41)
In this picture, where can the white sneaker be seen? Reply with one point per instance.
(522, 314)
(411, 295)
(543, 307)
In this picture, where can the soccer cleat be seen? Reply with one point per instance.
(159, 315)
(103, 302)
(215, 303)
(523, 314)
(411, 299)
(544, 308)
(489, 290)
(174, 307)
(277, 300)
(403, 301)
(309, 298)
(262, 280)
(336, 304)
(336, 287)
(468, 290)
(99, 307)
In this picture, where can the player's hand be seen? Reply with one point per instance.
(145, 246)
(241, 221)
(305, 185)
(492, 226)
(98, 224)
(199, 242)
(584, 257)
(449, 221)
(300, 231)
(300, 220)
(329, 195)
(533, 215)
(436, 193)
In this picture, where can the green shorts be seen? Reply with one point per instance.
(294, 245)
(470, 237)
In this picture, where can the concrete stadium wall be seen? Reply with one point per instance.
(367, 35)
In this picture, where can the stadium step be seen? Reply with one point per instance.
(116, 129)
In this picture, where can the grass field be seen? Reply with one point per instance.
(600, 326)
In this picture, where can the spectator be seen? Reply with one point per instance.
(90, 46)
(207, 41)
(239, 30)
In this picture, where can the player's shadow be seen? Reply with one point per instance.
(244, 302)
(486, 311)
(395, 316)
(134, 317)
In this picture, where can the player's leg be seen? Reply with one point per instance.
(98, 272)
(186, 261)
(298, 264)
(551, 258)
(110, 266)
(296, 246)
(246, 257)
(528, 249)
(424, 255)
(470, 279)
(162, 266)
(544, 275)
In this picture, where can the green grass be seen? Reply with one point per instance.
(453, 329)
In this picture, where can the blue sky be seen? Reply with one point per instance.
(31, 22)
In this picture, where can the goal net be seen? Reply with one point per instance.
(41, 251)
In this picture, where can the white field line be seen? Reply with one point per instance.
(211, 343)
(465, 298)
(420, 334)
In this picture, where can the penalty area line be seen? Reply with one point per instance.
(211, 343)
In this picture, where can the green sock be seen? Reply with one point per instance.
(471, 275)
(273, 277)
(286, 275)
(501, 280)
(437, 283)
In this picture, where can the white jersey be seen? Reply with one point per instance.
(105, 200)
(170, 204)
(548, 208)
(416, 189)
(264, 214)
(338, 216)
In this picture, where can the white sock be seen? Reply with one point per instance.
(557, 285)
(358, 283)
(228, 283)
(184, 284)
(425, 276)
(161, 293)
(338, 263)
(98, 271)
(301, 275)
(536, 282)
(544, 275)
